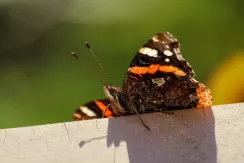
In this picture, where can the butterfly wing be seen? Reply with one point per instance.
(159, 78)
(94, 109)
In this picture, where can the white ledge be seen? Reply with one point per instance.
(215, 135)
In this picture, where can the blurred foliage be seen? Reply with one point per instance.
(41, 83)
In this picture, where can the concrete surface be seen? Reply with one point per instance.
(210, 135)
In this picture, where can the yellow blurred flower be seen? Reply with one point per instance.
(227, 82)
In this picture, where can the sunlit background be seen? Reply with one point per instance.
(40, 82)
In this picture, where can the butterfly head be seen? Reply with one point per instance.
(113, 93)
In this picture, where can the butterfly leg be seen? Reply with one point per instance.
(143, 123)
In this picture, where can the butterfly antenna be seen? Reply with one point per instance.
(103, 70)
(93, 70)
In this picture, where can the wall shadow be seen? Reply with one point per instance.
(186, 136)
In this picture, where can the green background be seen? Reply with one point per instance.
(40, 82)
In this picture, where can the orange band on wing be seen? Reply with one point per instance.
(108, 113)
(139, 70)
(152, 69)
(172, 69)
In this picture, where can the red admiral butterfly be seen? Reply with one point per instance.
(158, 79)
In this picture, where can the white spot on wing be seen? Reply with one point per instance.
(148, 51)
(167, 60)
(87, 111)
(77, 115)
(168, 53)
(155, 38)
(158, 81)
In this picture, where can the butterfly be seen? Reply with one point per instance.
(158, 79)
